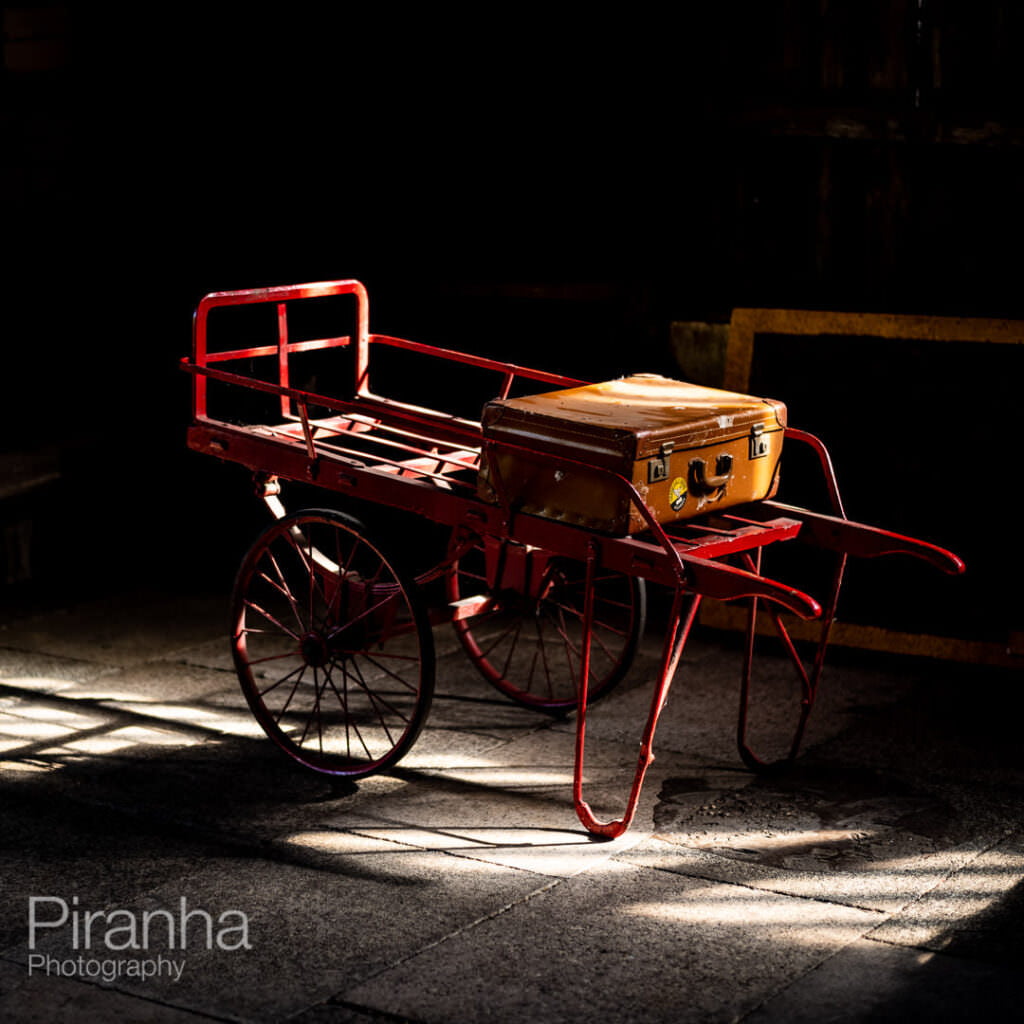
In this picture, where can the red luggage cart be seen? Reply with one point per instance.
(333, 639)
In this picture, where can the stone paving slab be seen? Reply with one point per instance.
(234, 788)
(536, 835)
(888, 889)
(872, 981)
(121, 629)
(162, 679)
(831, 832)
(215, 653)
(619, 943)
(38, 999)
(51, 845)
(41, 672)
(957, 900)
(278, 937)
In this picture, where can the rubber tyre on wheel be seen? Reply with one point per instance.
(331, 644)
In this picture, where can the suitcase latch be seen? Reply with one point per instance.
(758, 442)
(657, 467)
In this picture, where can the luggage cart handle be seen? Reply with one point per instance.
(724, 582)
(863, 541)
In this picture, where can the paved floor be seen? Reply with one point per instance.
(160, 862)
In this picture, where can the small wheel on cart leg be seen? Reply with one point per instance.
(331, 644)
(527, 639)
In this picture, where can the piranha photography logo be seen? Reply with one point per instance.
(150, 943)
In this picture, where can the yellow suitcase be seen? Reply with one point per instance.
(688, 450)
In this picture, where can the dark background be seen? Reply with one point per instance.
(552, 189)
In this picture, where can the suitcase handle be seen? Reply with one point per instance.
(703, 483)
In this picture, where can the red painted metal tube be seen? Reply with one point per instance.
(280, 294)
(481, 362)
(675, 641)
(861, 540)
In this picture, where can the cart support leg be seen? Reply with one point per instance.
(809, 681)
(680, 623)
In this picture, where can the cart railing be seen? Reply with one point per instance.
(202, 357)
(418, 434)
(430, 447)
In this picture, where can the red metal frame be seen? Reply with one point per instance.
(430, 469)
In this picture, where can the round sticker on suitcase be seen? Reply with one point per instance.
(677, 493)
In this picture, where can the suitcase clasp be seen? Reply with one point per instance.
(758, 442)
(657, 467)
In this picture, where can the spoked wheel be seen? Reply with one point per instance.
(526, 639)
(331, 644)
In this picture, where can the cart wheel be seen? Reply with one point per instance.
(529, 646)
(331, 644)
